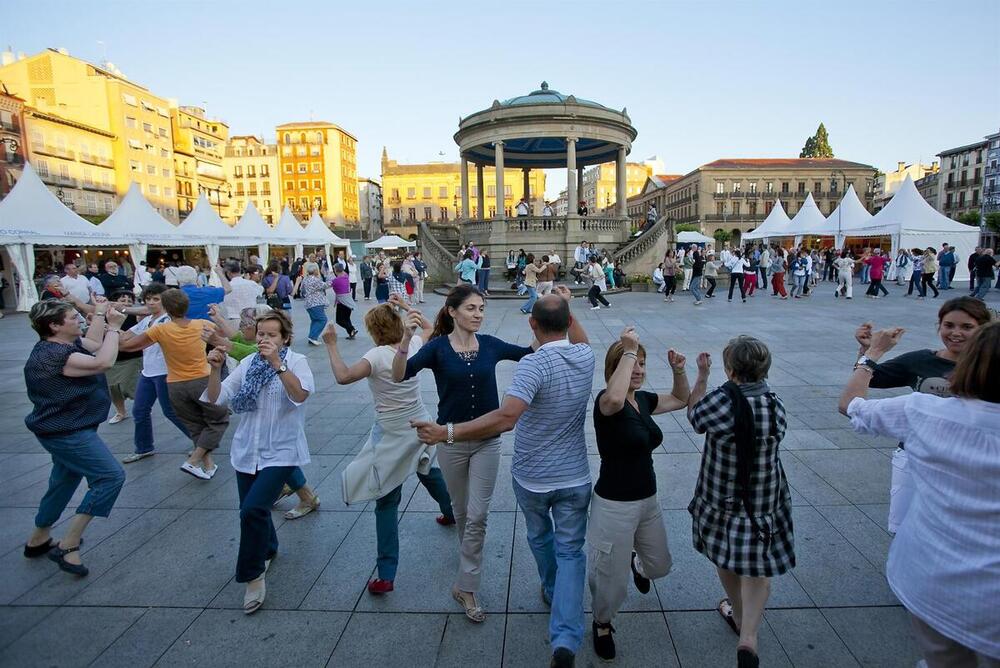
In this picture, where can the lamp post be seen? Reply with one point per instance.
(833, 186)
(458, 214)
(218, 195)
(61, 196)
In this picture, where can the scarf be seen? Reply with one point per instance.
(745, 434)
(256, 378)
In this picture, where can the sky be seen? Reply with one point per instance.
(892, 80)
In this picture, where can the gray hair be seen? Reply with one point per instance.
(186, 275)
(747, 359)
(311, 268)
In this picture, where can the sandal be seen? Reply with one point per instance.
(302, 509)
(285, 492)
(57, 554)
(473, 611)
(252, 600)
(726, 611)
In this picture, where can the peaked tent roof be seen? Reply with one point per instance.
(204, 223)
(390, 241)
(289, 230)
(809, 219)
(690, 237)
(135, 217)
(909, 212)
(31, 214)
(850, 214)
(318, 233)
(251, 225)
(775, 225)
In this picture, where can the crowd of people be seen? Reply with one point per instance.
(206, 353)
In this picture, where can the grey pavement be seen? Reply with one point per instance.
(161, 589)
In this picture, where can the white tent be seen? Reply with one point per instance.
(252, 226)
(775, 225)
(690, 237)
(205, 225)
(913, 223)
(390, 241)
(850, 214)
(808, 221)
(31, 215)
(317, 233)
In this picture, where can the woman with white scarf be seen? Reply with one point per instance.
(268, 389)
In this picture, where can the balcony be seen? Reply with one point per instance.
(10, 126)
(98, 187)
(720, 195)
(53, 151)
(736, 194)
(97, 160)
(59, 180)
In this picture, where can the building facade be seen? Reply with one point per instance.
(199, 148)
(960, 181)
(89, 98)
(991, 189)
(599, 184)
(654, 193)
(370, 200)
(887, 184)
(928, 189)
(319, 171)
(735, 195)
(432, 192)
(12, 144)
(252, 170)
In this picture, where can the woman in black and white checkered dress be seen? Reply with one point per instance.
(743, 422)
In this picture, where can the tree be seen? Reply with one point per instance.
(817, 146)
(722, 236)
(993, 220)
(969, 218)
(685, 227)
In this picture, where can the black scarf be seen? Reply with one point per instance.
(746, 438)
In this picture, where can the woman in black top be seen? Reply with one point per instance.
(626, 524)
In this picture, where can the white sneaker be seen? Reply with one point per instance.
(212, 471)
(595, 308)
(314, 342)
(196, 471)
(118, 417)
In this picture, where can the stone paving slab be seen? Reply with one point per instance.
(161, 589)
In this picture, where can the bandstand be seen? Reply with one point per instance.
(543, 130)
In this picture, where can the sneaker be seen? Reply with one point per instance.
(604, 645)
(642, 583)
(118, 417)
(698, 303)
(136, 456)
(378, 586)
(445, 521)
(595, 308)
(196, 471)
(212, 471)
(314, 342)
(562, 658)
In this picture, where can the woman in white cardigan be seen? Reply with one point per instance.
(944, 565)
(393, 452)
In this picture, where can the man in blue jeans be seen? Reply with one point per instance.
(547, 401)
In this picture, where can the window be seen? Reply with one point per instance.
(153, 190)
(316, 168)
(491, 191)
(147, 127)
(411, 193)
(252, 188)
(752, 206)
(264, 170)
(147, 106)
(151, 170)
(784, 186)
(168, 191)
(238, 171)
(736, 208)
(443, 191)
(286, 150)
(164, 153)
(427, 213)
(817, 188)
(130, 100)
(961, 199)
(508, 191)
(975, 198)
(165, 172)
(251, 172)
(412, 213)
(427, 193)
(802, 187)
(303, 168)
(265, 188)
(135, 143)
(767, 207)
(720, 208)
(444, 213)
(289, 185)
(288, 168)
(304, 203)
(769, 187)
(300, 150)
(720, 187)
(267, 204)
(187, 188)
(163, 132)
(317, 185)
(313, 150)
(288, 140)
(753, 187)
(239, 189)
(737, 186)
(303, 185)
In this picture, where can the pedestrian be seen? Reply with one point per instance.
(902, 266)
(112, 280)
(750, 276)
(658, 279)
(410, 270)
(777, 269)
(382, 282)
(916, 273)
(345, 303)
(483, 277)
(946, 264)
(922, 371)
(366, 272)
(278, 287)
(123, 376)
(598, 285)
(865, 268)
(876, 263)
(581, 258)
(511, 266)
(547, 401)
(930, 267)
(313, 288)
(467, 269)
(268, 390)
(626, 536)
(711, 274)
(741, 513)
(985, 264)
(737, 266)
(420, 277)
(464, 366)
(670, 268)
(948, 542)
(76, 284)
(64, 375)
(531, 272)
(392, 452)
(799, 274)
(697, 271)
(547, 276)
(971, 264)
(845, 275)
(687, 265)
(244, 290)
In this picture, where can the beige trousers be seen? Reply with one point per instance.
(617, 528)
(544, 287)
(942, 652)
(470, 471)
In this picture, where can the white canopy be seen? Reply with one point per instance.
(135, 217)
(809, 220)
(913, 223)
(31, 214)
(251, 225)
(289, 230)
(205, 224)
(691, 237)
(775, 225)
(318, 233)
(390, 241)
(850, 214)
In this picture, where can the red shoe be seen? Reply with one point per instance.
(445, 521)
(377, 587)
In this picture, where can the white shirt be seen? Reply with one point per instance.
(547, 210)
(352, 272)
(243, 295)
(388, 394)
(580, 254)
(142, 277)
(597, 275)
(96, 286)
(153, 363)
(944, 564)
(522, 209)
(79, 287)
(725, 256)
(738, 265)
(170, 276)
(657, 275)
(275, 433)
(554, 259)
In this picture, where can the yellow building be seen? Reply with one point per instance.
(432, 192)
(252, 167)
(599, 184)
(319, 170)
(199, 146)
(101, 98)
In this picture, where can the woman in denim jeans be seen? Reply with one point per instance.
(65, 379)
(314, 290)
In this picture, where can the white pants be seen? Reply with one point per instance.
(418, 289)
(688, 273)
(544, 287)
(900, 490)
(844, 280)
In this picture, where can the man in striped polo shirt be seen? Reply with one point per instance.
(547, 401)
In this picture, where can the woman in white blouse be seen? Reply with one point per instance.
(268, 389)
(944, 565)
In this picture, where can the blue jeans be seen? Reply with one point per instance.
(296, 479)
(983, 287)
(386, 520)
(944, 277)
(558, 551)
(317, 321)
(532, 298)
(149, 390)
(484, 280)
(865, 273)
(77, 455)
(258, 539)
(696, 288)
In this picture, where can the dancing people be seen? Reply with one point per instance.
(345, 302)
(876, 264)
(741, 511)
(737, 266)
(626, 534)
(392, 452)
(929, 268)
(777, 268)
(670, 266)
(944, 564)
(313, 288)
(64, 375)
(268, 390)
(123, 376)
(598, 285)
(845, 275)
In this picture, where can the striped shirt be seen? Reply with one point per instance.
(550, 449)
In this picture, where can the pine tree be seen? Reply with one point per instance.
(817, 146)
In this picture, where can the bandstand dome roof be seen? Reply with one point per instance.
(535, 129)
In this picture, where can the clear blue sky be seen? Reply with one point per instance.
(892, 80)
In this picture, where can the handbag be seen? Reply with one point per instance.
(272, 299)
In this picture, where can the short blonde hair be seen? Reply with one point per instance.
(747, 359)
(384, 325)
(614, 356)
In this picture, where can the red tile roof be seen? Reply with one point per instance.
(785, 163)
(667, 178)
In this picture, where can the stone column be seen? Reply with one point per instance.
(579, 190)
(527, 191)
(465, 189)
(498, 148)
(572, 194)
(480, 192)
(621, 189)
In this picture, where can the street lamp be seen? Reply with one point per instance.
(458, 214)
(61, 196)
(833, 186)
(218, 195)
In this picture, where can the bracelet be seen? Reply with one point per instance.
(680, 372)
(451, 434)
(864, 367)
(629, 352)
(400, 351)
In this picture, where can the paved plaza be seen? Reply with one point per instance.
(161, 589)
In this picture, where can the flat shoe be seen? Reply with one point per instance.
(252, 600)
(136, 456)
(57, 554)
(473, 612)
(212, 471)
(195, 471)
(35, 551)
(302, 510)
(117, 417)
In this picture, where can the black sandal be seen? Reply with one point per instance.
(35, 551)
(57, 555)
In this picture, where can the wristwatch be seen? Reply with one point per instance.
(451, 434)
(864, 360)
(283, 368)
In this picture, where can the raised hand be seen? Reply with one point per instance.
(863, 335)
(100, 304)
(330, 334)
(704, 363)
(216, 358)
(414, 321)
(563, 292)
(115, 319)
(630, 340)
(269, 351)
(884, 340)
(676, 360)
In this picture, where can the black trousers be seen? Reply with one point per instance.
(928, 280)
(594, 295)
(343, 318)
(711, 286)
(734, 280)
(368, 287)
(875, 286)
(354, 290)
(670, 285)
